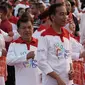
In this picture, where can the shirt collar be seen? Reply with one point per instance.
(20, 40)
(50, 31)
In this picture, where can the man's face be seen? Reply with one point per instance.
(25, 30)
(60, 16)
(34, 9)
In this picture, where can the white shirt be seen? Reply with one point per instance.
(3, 37)
(16, 34)
(82, 26)
(56, 55)
(26, 72)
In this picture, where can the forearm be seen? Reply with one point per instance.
(54, 75)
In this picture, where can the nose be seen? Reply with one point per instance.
(27, 29)
(65, 17)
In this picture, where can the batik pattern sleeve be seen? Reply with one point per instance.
(42, 56)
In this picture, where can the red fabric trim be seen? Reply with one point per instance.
(13, 19)
(42, 27)
(50, 31)
(25, 3)
(34, 42)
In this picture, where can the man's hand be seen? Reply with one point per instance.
(57, 78)
(82, 54)
(71, 74)
(60, 82)
(4, 52)
(30, 55)
(11, 34)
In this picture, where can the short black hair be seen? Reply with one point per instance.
(54, 1)
(24, 18)
(7, 4)
(52, 9)
(3, 9)
(44, 15)
(72, 3)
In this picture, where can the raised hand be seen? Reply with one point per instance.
(30, 55)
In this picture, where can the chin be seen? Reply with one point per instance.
(62, 25)
(27, 38)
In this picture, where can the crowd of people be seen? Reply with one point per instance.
(42, 42)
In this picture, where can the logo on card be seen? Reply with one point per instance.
(60, 51)
(31, 63)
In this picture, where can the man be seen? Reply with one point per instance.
(3, 71)
(56, 49)
(7, 27)
(21, 54)
(5, 24)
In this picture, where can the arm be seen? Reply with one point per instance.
(12, 58)
(56, 77)
(6, 36)
(75, 49)
(42, 54)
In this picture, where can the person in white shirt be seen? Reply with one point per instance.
(56, 49)
(21, 54)
(82, 26)
(3, 71)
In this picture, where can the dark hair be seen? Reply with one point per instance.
(49, 11)
(26, 9)
(24, 18)
(7, 4)
(15, 1)
(52, 9)
(72, 3)
(3, 9)
(19, 11)
(44, 15)
(54, 1)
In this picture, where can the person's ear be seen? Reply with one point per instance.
(52, 17)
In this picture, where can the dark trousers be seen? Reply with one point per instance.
(11, 75)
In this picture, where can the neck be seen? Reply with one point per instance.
(57, 28)
(4, 18)
(10, 15)
(27, 40)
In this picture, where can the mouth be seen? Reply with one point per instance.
(27, 34)
(64, 22)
